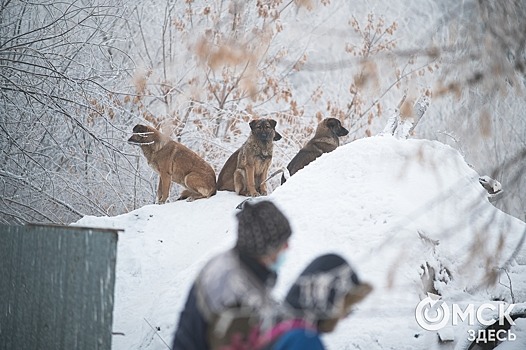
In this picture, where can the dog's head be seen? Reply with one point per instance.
(142, 135)
(335, 127)
(265, 130)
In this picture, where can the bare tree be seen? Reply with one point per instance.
(479, 95)
(56, 61)
(77, 75)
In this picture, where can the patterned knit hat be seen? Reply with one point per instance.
(322, 286)
(262, 228)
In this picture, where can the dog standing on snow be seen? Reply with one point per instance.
(325, 140)
(246, 170)
(174, 162)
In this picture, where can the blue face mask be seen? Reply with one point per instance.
(280, 260)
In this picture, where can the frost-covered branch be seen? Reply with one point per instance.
(405, 118)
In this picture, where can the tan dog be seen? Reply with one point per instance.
(174, 162)
(246, 170)
(325, 140)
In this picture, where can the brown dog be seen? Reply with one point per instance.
(246, 170)
(324, 141)
(174, 162)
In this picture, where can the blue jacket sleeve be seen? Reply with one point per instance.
(191, 333)
(299, 339)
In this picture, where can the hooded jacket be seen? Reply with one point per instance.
(227, 298)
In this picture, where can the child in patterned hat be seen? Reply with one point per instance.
(321, 296)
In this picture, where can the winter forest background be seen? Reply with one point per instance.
(77, 75)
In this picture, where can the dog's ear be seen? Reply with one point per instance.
(277, 136)
(273, 123)
(253, 124)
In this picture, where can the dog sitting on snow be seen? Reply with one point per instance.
(325, 140)
(246, 170)
(174, 162)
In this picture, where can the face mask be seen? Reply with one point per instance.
(280, 260)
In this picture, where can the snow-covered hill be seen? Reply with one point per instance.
(396, 209)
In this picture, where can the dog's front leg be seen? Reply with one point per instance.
(165, 180)
(159, 190)
(251, 183)
(263, 184)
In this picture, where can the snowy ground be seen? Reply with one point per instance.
(372, 201)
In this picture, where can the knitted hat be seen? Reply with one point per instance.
(262, 229)
(324, 283)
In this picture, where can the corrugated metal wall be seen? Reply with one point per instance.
(56, 287)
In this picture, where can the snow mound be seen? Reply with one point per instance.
(413, 218)
(410, 215)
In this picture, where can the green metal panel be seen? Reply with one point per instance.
(56, 287)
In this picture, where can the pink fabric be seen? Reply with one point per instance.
(283, 327)
(257, 341)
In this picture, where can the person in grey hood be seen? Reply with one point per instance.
(232, 291)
